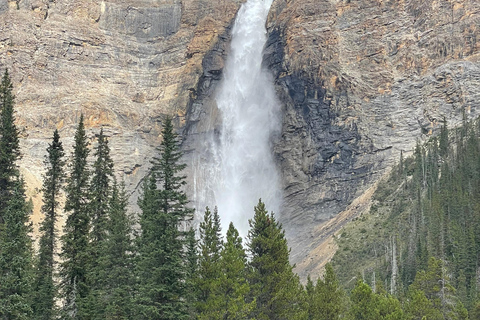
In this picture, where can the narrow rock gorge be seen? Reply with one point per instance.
(358, 81)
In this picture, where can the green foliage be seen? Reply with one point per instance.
(191, 263)
(233, 288)
(45, 288)
(209, 264)
(325, 300)
(100, 193)
(434, 284)
(116, 263)
(368, 305)
(75, 241)
(9, 144)
(276, 288)
(16, 270)
(431, 205)
(160, 266)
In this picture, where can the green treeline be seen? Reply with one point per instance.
(414, 256)
(421, 237)
(107, 264)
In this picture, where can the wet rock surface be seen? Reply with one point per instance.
(360, 82)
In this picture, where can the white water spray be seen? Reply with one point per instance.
(241, 168)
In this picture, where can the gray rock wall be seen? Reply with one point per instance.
(360, 82)
(144, 23)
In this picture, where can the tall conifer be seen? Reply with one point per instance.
(161, 267)
(233, 287)
(16, 272)
(16, 269)
(45, 288)
(99, 208)
(209, 263)
(116, 269)
(75, 252)
(275, 286)
(9, 144)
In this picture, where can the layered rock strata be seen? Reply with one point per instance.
(123, 64)
(362, 80)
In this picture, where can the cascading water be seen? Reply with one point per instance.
(241, 168)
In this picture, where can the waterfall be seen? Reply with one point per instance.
(240, 167)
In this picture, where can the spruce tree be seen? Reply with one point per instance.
(209, 263)
(16, 270)
(276, 288)
(191, 262)
(325, 300)
(45, 288)
(161, 267)
(9, 144)
(99, 207)
(75, 251)
(100, 191)
(233, 286)
(116, 264)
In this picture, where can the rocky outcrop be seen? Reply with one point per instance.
(362, 80)
(123, 64)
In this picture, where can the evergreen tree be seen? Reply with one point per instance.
(364, 304)
(191, 262)
(45, 288)
(435, 285)
(100, 191)
(116, 264)
(233, 287)
(209, 263)
(99, 207)
(276, 288)
(325, 300)
(161, 267)
(75, 251)
(16, 270)
(9, 145)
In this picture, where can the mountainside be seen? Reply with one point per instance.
(123, 64)
(359, 81)
(427, 207)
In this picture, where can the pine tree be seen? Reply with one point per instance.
(75, 251)
(233, 286)
(209, 263)
(16, 270)
(161, 267)
(100, 191)
(45, 288)
(274, 285)
(364, 302)
(116, 264)
(191, 262)
(99, 207)
(9, 145)
(325, 299)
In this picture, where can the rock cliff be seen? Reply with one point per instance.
(362, 80)
(123, 64)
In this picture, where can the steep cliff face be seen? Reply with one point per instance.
(362, 80)
(123, 64)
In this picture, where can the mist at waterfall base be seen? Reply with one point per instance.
(240, 167)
